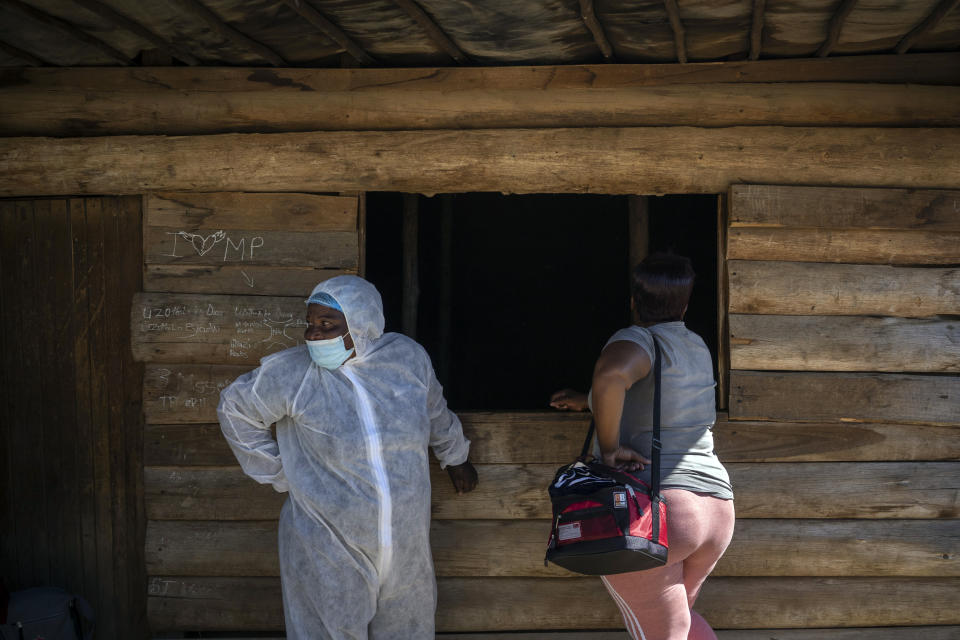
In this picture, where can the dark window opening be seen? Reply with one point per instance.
(687, 225)
(536, 284)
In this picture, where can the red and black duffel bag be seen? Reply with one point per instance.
(606, 521)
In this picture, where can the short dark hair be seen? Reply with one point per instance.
(661, 287)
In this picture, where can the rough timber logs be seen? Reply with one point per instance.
(159, 111)
(515, 548)
(843, 208)
(215, 243)
(473, 604)
(844, 343)
(802, 288)
(856, 397)
(202, 444)
(602, 160)
(767, 490)
(78, 102)
(866, 246)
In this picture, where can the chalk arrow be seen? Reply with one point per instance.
(247, 278)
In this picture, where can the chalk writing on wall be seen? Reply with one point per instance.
(190, 390)
(251, 326)
(222, 245)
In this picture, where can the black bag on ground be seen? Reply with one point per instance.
(47, 613)
(607, 521)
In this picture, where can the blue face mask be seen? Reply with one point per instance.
(328, 354)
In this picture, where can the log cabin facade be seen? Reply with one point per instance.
(181, 214)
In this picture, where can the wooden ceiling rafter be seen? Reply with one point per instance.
(437, 35)
(836, 27)
(679, 34)
(121, 21)
(69, 29)
(26, 56)
(939, 13)
(332, 31)
(756, 29)
(219, 26)
(589, 16)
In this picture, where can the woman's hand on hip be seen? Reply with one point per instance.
(625, 459)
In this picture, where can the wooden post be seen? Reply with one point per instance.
(639, 228)
(446, 287)
(723, 288)
(411, 279)
(638, 232)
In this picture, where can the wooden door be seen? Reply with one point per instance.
(71, 497)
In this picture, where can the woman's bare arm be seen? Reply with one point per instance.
(620, 366)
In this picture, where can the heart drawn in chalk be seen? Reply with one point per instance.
(203, 244)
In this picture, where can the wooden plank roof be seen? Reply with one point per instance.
(395, 33)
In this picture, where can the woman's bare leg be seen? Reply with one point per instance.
(656, 604)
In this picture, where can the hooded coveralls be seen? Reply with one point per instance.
(351, 449)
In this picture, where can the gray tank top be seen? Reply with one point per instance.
(687, 409)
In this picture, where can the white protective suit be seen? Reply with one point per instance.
(351, 449)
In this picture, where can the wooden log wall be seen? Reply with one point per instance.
(846, 505)
(224, 278)
(71, 496)
(843, 314)
(841, 460)
(616, 129)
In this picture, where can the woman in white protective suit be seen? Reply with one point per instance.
(355, 411)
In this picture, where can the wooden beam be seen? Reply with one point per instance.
(514, 548)
(68, 29)
(332, 31)
(863, 246)
(936, 16)
(433, 30)
(589, 16)
(844, 343)
(756, 29)
(510, 438)
(941, 68)
(679, 34)
(236, 279)
(209, 18)
(851, 397)
(26, 56)
(638, 160)
(836, 26)
(204, 103)
(773, 206)
(117, 19)
(263, 211)
(827, 490)
(803, 288)
(501, 604)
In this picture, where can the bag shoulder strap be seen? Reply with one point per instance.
(655, 442)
